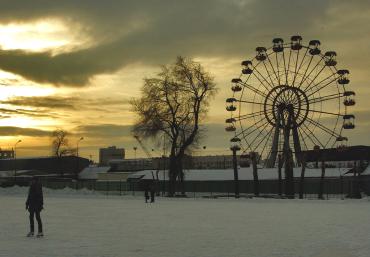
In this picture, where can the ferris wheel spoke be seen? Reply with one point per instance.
(305, 71)
(250, 127)
(324, 98)
(303, 139)
(299, 67)
(295, 68)
(322, 127)
(268, 73)
(313, 135)
(255, 90)
(322, 112)
(259, 134)
(277, 67)
(322, 87)
(250, 115)
(273, 69)
(251, 102)
(314, 78)
(255, 128)
(321, 81)
(263, 78)
(288, 67)
(285, 69)
(305, 77)
(266, 139)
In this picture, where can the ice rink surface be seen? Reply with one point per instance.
(91, 225)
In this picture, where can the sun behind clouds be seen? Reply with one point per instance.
(50, 34)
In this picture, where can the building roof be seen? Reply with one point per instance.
(350, 153)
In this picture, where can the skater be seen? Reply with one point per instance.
(34, 205)
(152, 191)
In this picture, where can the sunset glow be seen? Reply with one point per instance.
(77, 66)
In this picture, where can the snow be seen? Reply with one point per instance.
(244, 174)
(366, 171)
(84, 223)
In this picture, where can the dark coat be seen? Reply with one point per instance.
(35, 199)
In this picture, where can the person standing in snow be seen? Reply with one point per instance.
(34, 205)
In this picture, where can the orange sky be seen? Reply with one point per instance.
(75, 66)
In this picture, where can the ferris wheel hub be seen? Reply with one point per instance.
(286, 99)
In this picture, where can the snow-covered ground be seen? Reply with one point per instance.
(89, 224)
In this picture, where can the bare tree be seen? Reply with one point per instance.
(174, 103)
(60, 145)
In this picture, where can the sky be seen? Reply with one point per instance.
(75, 65)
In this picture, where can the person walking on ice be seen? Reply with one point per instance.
(34, 205)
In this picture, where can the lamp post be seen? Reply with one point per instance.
(15, 160)
(77, 155)
(235, 146)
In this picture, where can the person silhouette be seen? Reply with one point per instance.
(34, 205)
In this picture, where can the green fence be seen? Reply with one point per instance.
(332, 187)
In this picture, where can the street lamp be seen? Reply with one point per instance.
(15, 160)
(234, 147)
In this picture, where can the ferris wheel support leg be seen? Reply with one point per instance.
(274, 148)
(289, 178)
(288, 156)
(297, 145)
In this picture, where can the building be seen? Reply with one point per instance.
(213, 162)
(349, 157)
(44, 165)
(6, 154)
(110, 153)
(128, 165)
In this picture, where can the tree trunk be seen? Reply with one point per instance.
(172, 174)
(181, 175)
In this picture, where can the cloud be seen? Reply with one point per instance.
(17, 131)
(66, 103)
(125, 32)
(104, 130)
(53, 102)
(25, 112)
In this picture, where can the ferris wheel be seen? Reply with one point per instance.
(290, 97)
